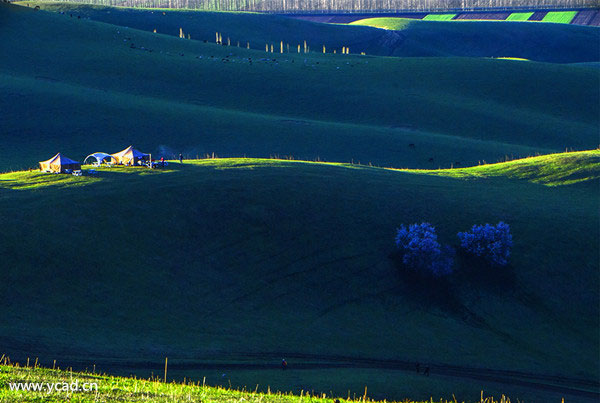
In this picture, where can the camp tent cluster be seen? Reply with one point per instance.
(61, 164)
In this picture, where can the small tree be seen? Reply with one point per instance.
(421, 250)
(492, 243)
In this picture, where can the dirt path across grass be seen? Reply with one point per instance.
(573, 387)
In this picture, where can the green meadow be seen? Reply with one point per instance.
(519, 16)
(154, 389)
(549, 170)
(471, 38)
(169, 270)
(282, 245)
(107, 90)
(439, 17)
(540, 42)
(564, 17)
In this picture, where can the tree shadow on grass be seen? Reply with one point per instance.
(430, 292)
(478, 273)
(448, 293)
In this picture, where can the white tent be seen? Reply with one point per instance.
(99, 157)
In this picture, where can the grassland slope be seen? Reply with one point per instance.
(236, 258)
(115, 86)
(152, 390)
(539, 42)
(550, 170)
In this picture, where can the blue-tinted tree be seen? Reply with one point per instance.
(492, 243)
(421, 250)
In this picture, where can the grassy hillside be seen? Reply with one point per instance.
(467, 38)
(519, 16)
(538, 42)
(550, 170)
(116, 86)
(246, 261)
(111, 388)
(229, 265)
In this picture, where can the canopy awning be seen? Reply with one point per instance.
(99, 156)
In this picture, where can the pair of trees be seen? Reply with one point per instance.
(422, 252)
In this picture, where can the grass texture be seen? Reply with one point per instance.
(519, 16)
(562, 17)
(454, 110)
(202, 284)
(152, 390)
(439, 17)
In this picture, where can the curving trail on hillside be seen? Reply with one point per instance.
(574, 387)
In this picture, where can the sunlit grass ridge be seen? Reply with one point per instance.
(155, 390)
(551, 170)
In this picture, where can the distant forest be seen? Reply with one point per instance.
(348, 6)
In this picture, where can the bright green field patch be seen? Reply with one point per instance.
(396, 24)
(519, 16)
(439, 17)
(513, 58)
(34, 179)
(563, 17)
(549, 170)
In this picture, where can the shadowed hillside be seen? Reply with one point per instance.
(116, 86)
(302, 267)
(539, 42)
(229, 265)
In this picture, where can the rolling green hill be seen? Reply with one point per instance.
(540, 42)
(114, 86)
(151, 390)
(246, 261)
(229, 265)
(551, 170)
